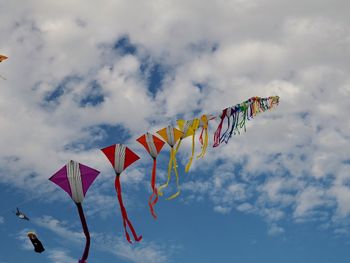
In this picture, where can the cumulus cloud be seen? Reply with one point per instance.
(24, 240)
(275, 230)
(59, 228)
(68, 83)
(144, 252)
(58, 256)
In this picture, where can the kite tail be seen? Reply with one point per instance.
(217, 133)
(188, 165)
(274, 101)
(160, 188)
(261, 104)
(244, 110)
(226, 132)
(178, 146)
(86, 232)
(126, 221)
(204, 142)
(177, 178)
(154, 195)
(172, 163)
(231, 127)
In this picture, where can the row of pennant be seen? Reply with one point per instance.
(75, 178)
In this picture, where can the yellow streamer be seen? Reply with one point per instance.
(192, 128)
(176, 176)
(188, 165)
(204, 125)
(172, 163)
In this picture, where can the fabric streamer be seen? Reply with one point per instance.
(153, 145)
(120, 158)
(238, 115)
(204, 141)
(171, 135)
(188, 128)
(75, 179)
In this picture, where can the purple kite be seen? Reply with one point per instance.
(75, 179)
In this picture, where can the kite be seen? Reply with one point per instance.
(2, 58)
(120, 158)
(38, 246)
(153, 145)
(238, 115)
(171, 135)
(21, 215)
(75, 179)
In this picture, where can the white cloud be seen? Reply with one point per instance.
(342, 195)
(59, 256)
(300, 53)
(23, 238)
(60, 228)
(222, 210)
(245, 207)
(144, 252)
(309, 199)
(275, 230)
(2, 220)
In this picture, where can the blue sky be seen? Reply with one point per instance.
(82, 76)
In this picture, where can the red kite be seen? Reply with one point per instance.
(153, 145)
(120, 158)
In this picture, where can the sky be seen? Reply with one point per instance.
(83, 75)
